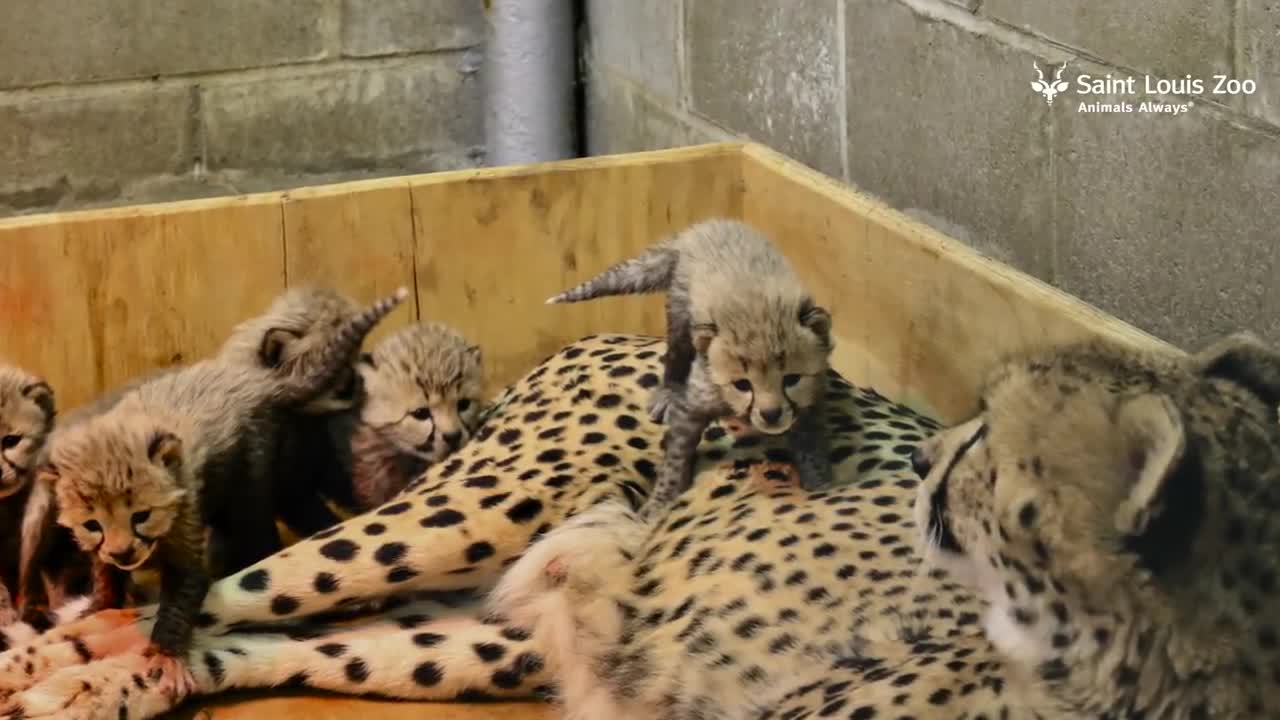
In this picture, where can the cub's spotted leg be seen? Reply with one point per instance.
(676, 364)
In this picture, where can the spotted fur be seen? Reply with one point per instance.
(754, 598)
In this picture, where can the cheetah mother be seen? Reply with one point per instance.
(1094, 542)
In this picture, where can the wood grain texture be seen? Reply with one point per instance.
(494, 246)
(356, 238)
(916, 314)
(89, 302)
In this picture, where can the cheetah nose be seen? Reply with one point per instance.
(453, 440)
(919, 463)
(772, 415)
(123, 557)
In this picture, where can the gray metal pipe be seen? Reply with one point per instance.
(529, 74)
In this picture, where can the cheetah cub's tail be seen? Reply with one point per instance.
(563, 589)
(648, 272)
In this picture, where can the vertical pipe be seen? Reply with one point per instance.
(530, 104)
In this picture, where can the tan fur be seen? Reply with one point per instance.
(747, 303)
(298, 321)
(1116, 512)
(423, 386)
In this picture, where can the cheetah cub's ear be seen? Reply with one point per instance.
(703, 334)
(1244, 359)
(817, 319)
(165, 449)
(41, 394)
(1152, 435)
(274, 343)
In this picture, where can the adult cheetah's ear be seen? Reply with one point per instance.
(702, 334)
(817, 319)
(1160, 517)
(41, 394)
(165, 449)
(1244, 359)
(274, 343)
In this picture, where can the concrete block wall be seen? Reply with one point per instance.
(108, 102)
(1167, 221)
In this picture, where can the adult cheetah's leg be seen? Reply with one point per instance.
(414, 655)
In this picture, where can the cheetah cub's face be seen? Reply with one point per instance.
(26, 418)
(768, 372)
(423, 388)
(117, 482)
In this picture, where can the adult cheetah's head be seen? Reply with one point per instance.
(1115, 510)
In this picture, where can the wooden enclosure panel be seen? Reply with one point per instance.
(356, 238)
(916, 315)
(492, 248)
(90, 300)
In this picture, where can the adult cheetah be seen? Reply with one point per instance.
(1088, 541)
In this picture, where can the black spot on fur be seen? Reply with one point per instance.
(325, 583)
(332, 650)
(356, 670)
(341, 550)
(390, 554)
(395, 509)
(489, 652)
(478, 551)
(284, 605)
(255, 581)
(374, 529)
(525, 510)
(428, 674)
(443, 518)
(428, 639)
(216, 670)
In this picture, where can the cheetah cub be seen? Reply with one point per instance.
(423, 400)
(183, 454)
(744, 339)
(26, 421)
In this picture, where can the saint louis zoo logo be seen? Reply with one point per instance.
(1117, 88)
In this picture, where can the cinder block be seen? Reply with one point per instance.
(1261, 45)
(621, 118)
(72, 41)
(87, 145)
(639, 39)
(1169, 222)
(944, 123)
(403, 114)
(769, 70)
(1165, 37)
(388, 27)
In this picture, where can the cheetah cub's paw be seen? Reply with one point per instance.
(659, 403)
(132, 685)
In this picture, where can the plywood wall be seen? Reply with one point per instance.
(91, 299)
(916, 314)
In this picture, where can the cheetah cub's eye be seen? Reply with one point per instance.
(742, 385)
(790, 379)
(141, 516)
(92, 526)
(422, 413)
(8, 442)
(463, 404)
